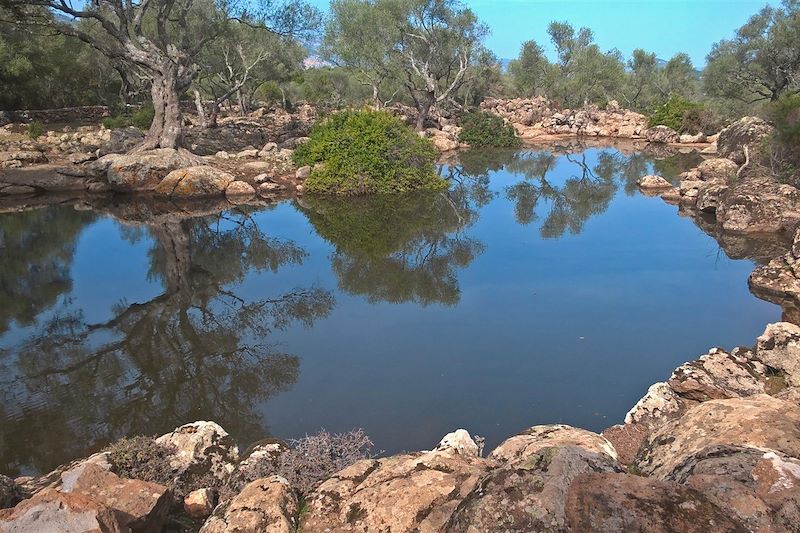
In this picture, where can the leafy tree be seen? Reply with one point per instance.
(762, 62)
(531, 73)
(159, 39)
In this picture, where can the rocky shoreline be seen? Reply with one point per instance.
(716, 447)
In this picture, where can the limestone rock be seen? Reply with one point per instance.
(303, 172)
(653, 182)
(247, 154)
(759, 204)
(747, 131)
(142, 171)
(602, 502)
(460, 442)
(201, 447)
(756, 421)
(716, 375)
(518, 448)
(659, 402)
(662, 135)
(139, 505)
(200, 503)
(27, 157)
(708, 196)
(692, 139)
(414, 492)
(717, 168)
(779, 348)
(51, 510)
(195, 182)
(529, 495)
(16, 190)
(239, 188)
(270, 189)
(267, 505)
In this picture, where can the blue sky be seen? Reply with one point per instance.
(662, 26)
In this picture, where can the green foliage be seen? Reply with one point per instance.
(484, 129)
(143, 117)
(115, 122)
(682, 116)
(35, 129)
(362, 152)
(785, 113)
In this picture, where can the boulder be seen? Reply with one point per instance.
(759, 421)
(16, 190)
(270, 189)
(267, 505)
(716, 375)
(519, 447)
(195, 182)
(717, 168)
(201, 448)
(459, 442)
(779, 348)
(745, 132)
(247, 154)
(708, 196)
(413, 492)
(761, 488)
(651, 182)
(303, 172)
(662, 135)
(692, 139)
(239, 189)
(759, 204)
(602, 502)
(27, 157)
(51, 510)
(200, 503)
(528, 495)
(142, 171)
(139, 505)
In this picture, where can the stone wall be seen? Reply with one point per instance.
(92, 113)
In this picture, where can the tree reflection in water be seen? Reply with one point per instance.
(398, 248)
(197, 351)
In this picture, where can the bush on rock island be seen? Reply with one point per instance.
(480, 129)
(365, 152)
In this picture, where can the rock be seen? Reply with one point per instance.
(662, 134)
(139, 505)
(779, 348)
(80, 157)
(601, 502)
(247, 154)
(267, 505)
(118, 141)
(528, 442)
(747, 131)
(201, 447)
(692, 139)
(195, 182)
(270, 189)
(653, 182)
(414, 492)
(460, 442)
(10, 492)
(51, 510)
(708, 197)
(291, 144)
(717, 375)
(200, 503)
(303, 172)
(444, 142)
(660, 402)
(27, 157)
(16, 190)
(142, 171)
(757, 421)
(269, 147)
(239, 189)
(261, 178)
(529, 495)
(222, 154)
(673, 195)
(761, 488)
(717, 168)
(759, 204)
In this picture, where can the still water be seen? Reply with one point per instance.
(542, 288)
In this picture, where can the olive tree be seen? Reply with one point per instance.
(531, 72)
(159, 38)
(762, 62)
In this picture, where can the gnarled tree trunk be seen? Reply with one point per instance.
(166, 131)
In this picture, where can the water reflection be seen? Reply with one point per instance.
(197, 351)
(398, 248)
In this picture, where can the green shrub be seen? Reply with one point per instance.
(115, 122)
(484, 129)
(785, 114)
(362, 152)
(143, 117)
(683, 116)
(35, 129)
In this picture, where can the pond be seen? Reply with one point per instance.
(542, 288)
